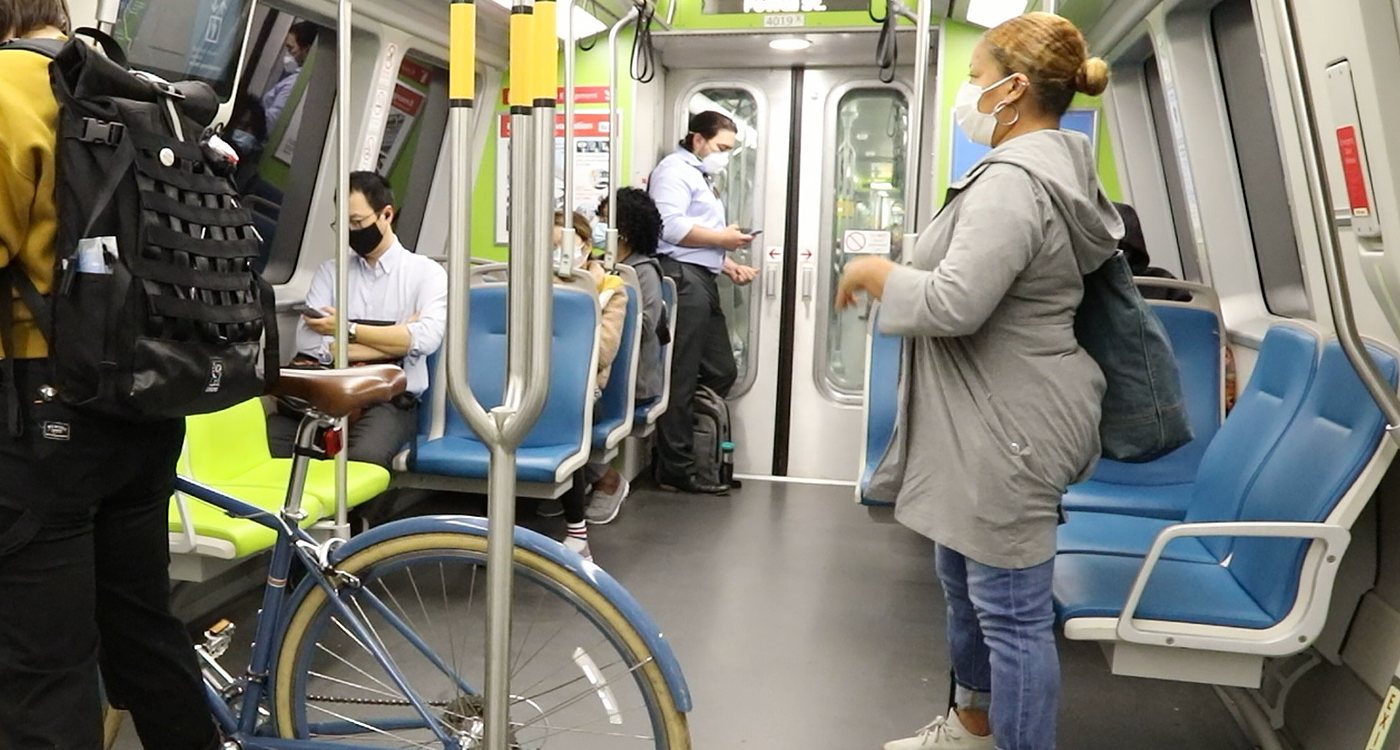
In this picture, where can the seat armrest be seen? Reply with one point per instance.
(1335, 540)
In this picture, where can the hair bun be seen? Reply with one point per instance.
(1092, 78)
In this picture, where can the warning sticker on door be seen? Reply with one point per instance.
(1353, 170)
(866, 242)
(1384, 719)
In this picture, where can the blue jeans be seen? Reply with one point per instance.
(1002, 639)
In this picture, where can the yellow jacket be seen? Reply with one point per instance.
(28, 209)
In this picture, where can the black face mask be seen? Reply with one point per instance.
(365, 241)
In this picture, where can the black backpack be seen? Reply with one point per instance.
(156, 311)
(714, 449)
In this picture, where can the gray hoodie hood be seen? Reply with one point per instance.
(1062, 161)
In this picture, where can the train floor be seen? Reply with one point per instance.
(805, 621)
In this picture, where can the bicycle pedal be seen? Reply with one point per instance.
(217, 638)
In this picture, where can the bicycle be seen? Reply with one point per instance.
(326, 672)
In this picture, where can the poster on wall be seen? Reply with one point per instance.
(410, 93)
(591, 165)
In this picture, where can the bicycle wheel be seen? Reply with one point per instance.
(579, 672)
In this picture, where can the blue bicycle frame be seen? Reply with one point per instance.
(318, 560)
(293, 543)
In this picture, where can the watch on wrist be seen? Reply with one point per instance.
(350, 331)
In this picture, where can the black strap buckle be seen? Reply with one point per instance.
(101, 131)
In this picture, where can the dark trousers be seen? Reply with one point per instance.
(703, 355)
(84, 580)
(376, 437)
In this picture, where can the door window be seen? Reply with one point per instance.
(867, 210)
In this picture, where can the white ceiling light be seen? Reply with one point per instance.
(790, 44)
(585, 24)
(991, 13)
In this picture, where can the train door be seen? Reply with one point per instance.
(820, 168)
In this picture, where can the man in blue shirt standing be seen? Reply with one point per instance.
(695, 242)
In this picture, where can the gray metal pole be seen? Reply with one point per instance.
(570, 54)
(107, 13)
(913, 180)
(459, 229)
(615, 132)
(500, 549)
(522, 246)
(535, 277)
(1320, 191)
(505, 426)
(342, 244)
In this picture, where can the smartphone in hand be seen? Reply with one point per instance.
(310, 312)
(751, 232)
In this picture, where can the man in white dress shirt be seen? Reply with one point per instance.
(397, 312)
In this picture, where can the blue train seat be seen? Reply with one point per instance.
(447, 454)
(882, 363)
(1162, 488)
(647, 412)
(1282, 376)
(1215, 622)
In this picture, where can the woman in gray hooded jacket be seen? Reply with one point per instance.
(999, 405)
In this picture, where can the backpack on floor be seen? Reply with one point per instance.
(156, 311)
(714, 449)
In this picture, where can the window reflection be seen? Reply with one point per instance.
(868, 214)
(267, 117)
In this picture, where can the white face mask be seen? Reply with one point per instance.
(290, 64)
(581, 253)
(716, 162)
(979, 126)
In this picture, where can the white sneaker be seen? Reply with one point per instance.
(580, 546)
(945, 732)
(603, 507)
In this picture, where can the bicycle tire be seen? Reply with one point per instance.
(674, 729)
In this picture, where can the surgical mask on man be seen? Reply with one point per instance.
(290, 66)
(600, 234)
(716, 162)
(366, 240)
(977, 125)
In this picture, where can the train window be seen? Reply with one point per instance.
(867, 206)
(280, 125)
(1257, 153)
(1171, 168)
(414, 134)
(181, 40)
(738, 190)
